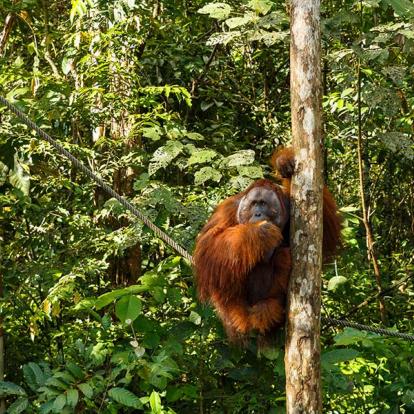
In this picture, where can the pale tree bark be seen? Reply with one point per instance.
(5, 33)
(2, 345)
(302, 357)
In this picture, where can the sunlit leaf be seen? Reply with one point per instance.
(219, 11)
(155, 403)
(336, 282)
(128, 308)
(243, 157)
(164, 155)
(201, 156)
(260, 6)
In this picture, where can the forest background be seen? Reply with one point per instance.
(179, 104)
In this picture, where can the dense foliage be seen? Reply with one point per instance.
(178, 104)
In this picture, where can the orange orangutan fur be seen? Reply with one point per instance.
(230, 257)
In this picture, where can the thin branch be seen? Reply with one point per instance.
(204, 72)
(364, 205)
(375, 296)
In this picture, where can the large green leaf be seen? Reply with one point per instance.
(234, 22)
(164, 155)
(110, 297)
(155, 403)
(260, 6)
(125, 397)
(219, 11)
(75, 370)
(338, 355)
(205, 174)
(33, 375)
(336, 282)
(201, 156)
(9, 388)
(86, 390)
(72, 396)
(59, 403)
(242, 157)
(19, 406)
(404, 8)
(351, 336)
(128, 308)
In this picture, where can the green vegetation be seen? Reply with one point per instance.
(178, 104)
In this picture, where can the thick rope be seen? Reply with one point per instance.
(157, 231)
(360, 327)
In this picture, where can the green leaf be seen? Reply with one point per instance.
(271, 353)
(219, 11)
(164, 155)
(59, 403)
(243, 157)
(234, 22)
(268, 38)
(272, 20)
(125, 397)
(10, 388)
(195, 318)
(194, 136)
(109, 297)
(67, 63)
(201, 156)
(349, 209)
(16, 93)
(75, 370)
(338, 355)
(65, 376)
(3, 173)
(18, 406)
(399, 142)
(336, 282)
(206, 105)
(260, 6)
(128, 308)
(404, 8)
(408, 398)
(151, 340)
(153, 133)
(72, 397)
(205, 174)
(219, 39)
(47, 407)
(409, 34)
(56, 383)
(78, 8)
(240, 183)
(350, 336)
(20, 177)
(86, 390)
(155, 403)
(251, 171)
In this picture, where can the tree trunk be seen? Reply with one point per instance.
(302, 357)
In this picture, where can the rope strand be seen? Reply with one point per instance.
(360, 327)
(162, 235)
